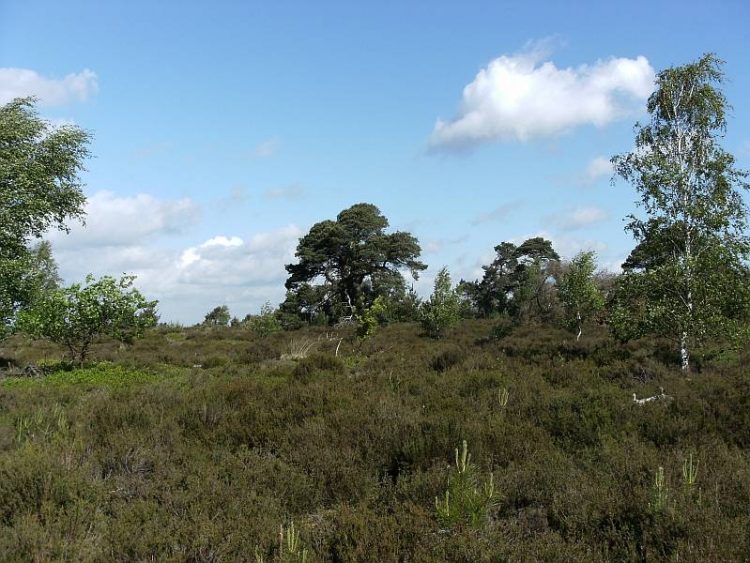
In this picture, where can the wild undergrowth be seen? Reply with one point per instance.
(218, 445)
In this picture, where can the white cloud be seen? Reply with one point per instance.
(242, 273)
(222, 241)
(113, 221)
(136, 235)
(599, 167)
(521, 97)
(20, 82)
(574, 219)
(224, 262)
(613, 265)
(131, 235)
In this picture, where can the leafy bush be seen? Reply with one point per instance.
(74, 316)
(218, 316)
(265, 323)
(443, 310)
(368, 323)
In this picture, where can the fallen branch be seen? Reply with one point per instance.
(660, 397)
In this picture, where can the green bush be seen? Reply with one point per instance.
(76, 315)
(265, 323)
(443, 310)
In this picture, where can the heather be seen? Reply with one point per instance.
(207, 443)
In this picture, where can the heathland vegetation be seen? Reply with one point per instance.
(546, 411)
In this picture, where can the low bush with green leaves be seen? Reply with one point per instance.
(443, 309)
(76, 315)
(264, 323)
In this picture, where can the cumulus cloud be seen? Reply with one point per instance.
(230, 261)
(599, 167)
(522, 96)
(136, 235)
(574, 219)
(113, 221)
(132, 235)
(242, 273)
(20, 82)
(613, 265)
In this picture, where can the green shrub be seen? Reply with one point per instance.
(265, 323)
(369, 321)
(76, 315)
(443, 310)
(257, 352)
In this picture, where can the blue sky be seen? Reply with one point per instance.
(224, 130)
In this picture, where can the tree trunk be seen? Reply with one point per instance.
(685, 352)
(580, 326)
(687, 258)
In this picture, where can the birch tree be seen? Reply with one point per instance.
(682, 279)
(443, 309)
(578, 293)
(40, 189)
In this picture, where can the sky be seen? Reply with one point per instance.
(222, 131)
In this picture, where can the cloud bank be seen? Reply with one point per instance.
(21, 82)
(113, 221)
(135, 235)
(522, 97)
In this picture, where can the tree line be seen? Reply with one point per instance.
(687, 278)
